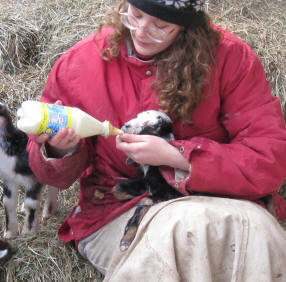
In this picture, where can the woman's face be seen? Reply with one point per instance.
(142, 43)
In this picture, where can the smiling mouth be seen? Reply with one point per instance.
(142, 43)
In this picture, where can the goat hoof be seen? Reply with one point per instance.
(48, 211)
(27, 232)
(10, 234)
(124, 246)
(6, 251)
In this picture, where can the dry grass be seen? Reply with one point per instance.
(32, 36)
(42, 257)
(262, 24)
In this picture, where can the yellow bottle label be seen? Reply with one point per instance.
(54, 117)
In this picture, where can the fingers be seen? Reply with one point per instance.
(64, 139)
(144, 149)
(126, 142)
(133, 138)
(130, 141)
(42, 138)
(133, 146)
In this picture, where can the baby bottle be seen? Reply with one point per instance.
(37, 117)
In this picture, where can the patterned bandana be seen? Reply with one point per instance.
(188, 13)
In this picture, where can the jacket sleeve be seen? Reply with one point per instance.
(253, 163)
(65, 171)
(61, 173)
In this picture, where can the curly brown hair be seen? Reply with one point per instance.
(185, 64)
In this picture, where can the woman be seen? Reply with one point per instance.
(230, 144)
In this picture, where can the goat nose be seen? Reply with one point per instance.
(125, 127)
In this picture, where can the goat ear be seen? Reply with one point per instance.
(129, 161)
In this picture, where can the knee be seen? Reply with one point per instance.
(202, 215)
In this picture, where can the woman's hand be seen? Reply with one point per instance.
(62, 143)
(151, 150)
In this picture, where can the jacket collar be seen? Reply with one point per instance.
(130, 52)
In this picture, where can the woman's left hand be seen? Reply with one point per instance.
(150, 150)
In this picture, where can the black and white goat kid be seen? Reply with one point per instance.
(150, 180)
(15, 172)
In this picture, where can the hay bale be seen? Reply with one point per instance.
(20, 46)
(33, 34)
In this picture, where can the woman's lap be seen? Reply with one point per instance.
(193, 239)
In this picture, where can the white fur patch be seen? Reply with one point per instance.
(31, 204)
(145, 119)
(145, 169)
(3, 253)
(7, 171)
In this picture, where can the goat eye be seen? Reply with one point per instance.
(159, 120)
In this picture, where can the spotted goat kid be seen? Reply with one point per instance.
(150, 180)
(15, 172)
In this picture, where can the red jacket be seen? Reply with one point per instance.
(236, 145)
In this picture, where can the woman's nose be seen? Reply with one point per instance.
(140, 31)
(142, 27)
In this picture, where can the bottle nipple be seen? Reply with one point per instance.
(113, 130)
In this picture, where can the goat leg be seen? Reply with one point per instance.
(10, 197)
(133, 223)
(32, 208)
(51, 202)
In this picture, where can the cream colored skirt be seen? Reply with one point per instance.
(198, 239)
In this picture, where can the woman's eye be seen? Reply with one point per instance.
(160, 26)
(136, 16)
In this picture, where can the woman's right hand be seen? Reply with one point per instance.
(63, 142)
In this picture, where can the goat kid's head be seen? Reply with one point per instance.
(9, 134)
(150, 123)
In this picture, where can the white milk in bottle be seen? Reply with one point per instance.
(37, 117)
